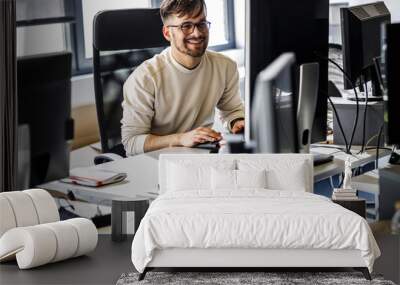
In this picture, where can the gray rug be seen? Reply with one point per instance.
(242, 278)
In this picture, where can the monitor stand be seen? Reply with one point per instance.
(375, 93)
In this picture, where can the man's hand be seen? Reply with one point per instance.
(238, 127)
(199, 135)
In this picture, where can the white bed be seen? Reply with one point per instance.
(202, 226)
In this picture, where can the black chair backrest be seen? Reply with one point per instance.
(137, 34)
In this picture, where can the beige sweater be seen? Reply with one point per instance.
(162, 97)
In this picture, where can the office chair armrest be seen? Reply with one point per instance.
(106, 157)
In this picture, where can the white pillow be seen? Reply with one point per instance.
(223, 179)
(181, 177)
(186, 175)
(282, 174)
(251, 178)
(281, 180)
(237, 179)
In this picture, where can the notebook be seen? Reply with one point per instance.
(93, 177)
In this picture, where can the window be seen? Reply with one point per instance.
(39, 21)
(81, 33)
(27, 10)
(335, 36)
(221, 35)
(222, 28)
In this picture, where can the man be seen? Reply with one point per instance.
(169, 100)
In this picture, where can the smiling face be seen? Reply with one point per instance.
(192, 44)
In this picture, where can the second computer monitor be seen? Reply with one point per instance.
(361, 36)
(273, 113)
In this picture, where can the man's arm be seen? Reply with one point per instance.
(230, 105)
(138, 111)
(188, 139)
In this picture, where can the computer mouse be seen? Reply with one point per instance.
(208, 145)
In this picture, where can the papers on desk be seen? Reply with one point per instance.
(344, 194)
(93, 177)
(327, 149)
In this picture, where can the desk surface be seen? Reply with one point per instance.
(327, 170)
(142, 175)
(345, 101)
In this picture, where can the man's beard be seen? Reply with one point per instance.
(183, 47)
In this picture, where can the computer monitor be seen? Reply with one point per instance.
(391, 56)
(274, 127)
(307, 103)
(44, 109)
(276, 27)
(361, 41)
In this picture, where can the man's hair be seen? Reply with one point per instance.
(192, 8)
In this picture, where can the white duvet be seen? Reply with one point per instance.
(250, 219)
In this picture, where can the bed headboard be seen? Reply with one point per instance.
(291, 166)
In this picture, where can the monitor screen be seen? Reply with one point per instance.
(273, 118)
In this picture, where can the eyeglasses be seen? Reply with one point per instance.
(188, 27)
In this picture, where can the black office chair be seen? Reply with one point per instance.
(140, 32)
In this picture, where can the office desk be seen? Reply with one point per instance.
(142, 175)
(385, 190)
(336, 167)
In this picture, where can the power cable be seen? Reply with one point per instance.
(339, 123)
(355, 94)
(365, 116)
(378, 147)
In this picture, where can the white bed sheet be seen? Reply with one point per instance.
(250, 218)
